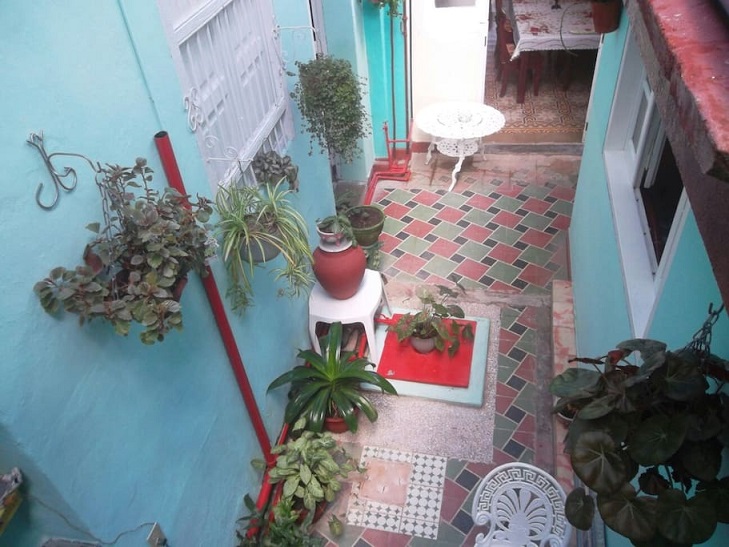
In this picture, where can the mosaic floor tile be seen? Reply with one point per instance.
(417, 512)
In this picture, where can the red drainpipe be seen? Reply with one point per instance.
(174, 179)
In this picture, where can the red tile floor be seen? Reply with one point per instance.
(502, 233)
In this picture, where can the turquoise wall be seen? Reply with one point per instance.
(385, 53)
(601, 312)
(110, 433)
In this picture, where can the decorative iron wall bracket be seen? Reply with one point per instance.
(58, 178)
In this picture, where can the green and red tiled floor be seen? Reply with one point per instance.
(502, 234)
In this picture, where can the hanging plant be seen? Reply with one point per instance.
(136, 266)
(394, 6)
(329, 96)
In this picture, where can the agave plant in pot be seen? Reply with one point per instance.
(257, 224)
(136, 266)
(327, 388)
(434, 326)
(647, 438)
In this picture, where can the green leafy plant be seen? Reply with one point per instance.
(435, 319)
(329, 96)
(271, 168)
(257, 224)
(135, 267)
(648, 440)
(334, 229)
(275, 526)
(393, 5)
(329, 384)
(310, 466)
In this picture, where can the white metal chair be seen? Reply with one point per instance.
(520, 505)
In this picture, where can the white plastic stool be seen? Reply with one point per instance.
(360, 308)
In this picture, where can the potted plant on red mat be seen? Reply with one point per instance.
(606, 15)
(434, 326)
(328, 388)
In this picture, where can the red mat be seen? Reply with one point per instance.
(399, 361)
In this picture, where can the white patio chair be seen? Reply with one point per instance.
(520, 505)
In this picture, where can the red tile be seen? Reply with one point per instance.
(525, 438)
(385, 539)
(527, 369)
(443, 247)
(561, 222)
(507, 339)
(536, 275)
(509, 189)
(450, 214)
(426, 198)
(501, 457)
(438, 280)
(396, 210)
(505, 218)
(418, 228)
(409, 263)
(503, 404)
(563, 192)
(528, 317)
(504, 253)
(506, 391)
(480, 469)
(453, 497)
(479, 201)
(536, 205)
(389, 242)
(477, 233)
(528, 424)
(472, 269)
(502, 287)
(535, 237)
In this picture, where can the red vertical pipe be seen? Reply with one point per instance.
(174, 179)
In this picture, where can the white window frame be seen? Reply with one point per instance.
(228, 148)
(625, 160)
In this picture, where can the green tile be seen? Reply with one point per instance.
(393, 226)
(440, 266)
(527, 456)
(503, 272)
(476, 251)
(536, 290)
(453, 199)
(527, 342)
(454, 467)
(508, 203)
(503, 434)
(471, 284)
(526, 398)
(562, 207)
(538, 192)
(414, 245)
(400, 196)
(538, 222)
(535, 255)
(478, 217)
(446, 230)
(506, 235)
(449, 534)
(423, 212)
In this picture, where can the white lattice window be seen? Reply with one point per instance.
(229, 61)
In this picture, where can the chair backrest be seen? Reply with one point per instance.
(520, 505)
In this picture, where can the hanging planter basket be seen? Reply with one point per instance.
(606, 15)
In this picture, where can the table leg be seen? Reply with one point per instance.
(456, 170)
(430, 152)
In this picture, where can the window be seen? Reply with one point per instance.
(646, 191)
(229, 61)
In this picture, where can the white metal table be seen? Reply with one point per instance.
(456, 129)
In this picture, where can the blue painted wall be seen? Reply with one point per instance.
(601, 312)
(110, 433)
(385, 53)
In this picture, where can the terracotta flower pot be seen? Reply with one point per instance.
(606, 16)
(340, 273)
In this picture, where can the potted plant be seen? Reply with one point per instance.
(434, 325)
(309, 467)
(335, 231)
(136, 266)
(648, 439)
(271, 168)
(328, 385)
(606, 15)
(257, 224)
(278, 525)
(393, 6)
(329, 96)
(367, 222)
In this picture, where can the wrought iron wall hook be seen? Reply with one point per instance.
(36, 140)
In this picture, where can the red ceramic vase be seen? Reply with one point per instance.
(340, 273)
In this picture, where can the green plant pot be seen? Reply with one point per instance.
(367, 223)
(260, 253)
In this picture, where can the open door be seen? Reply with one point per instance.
(448, 51)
